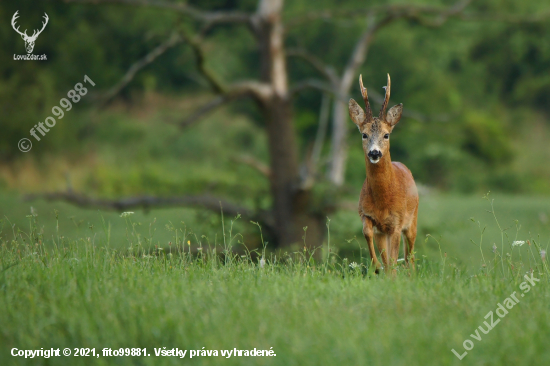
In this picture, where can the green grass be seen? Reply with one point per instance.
(445, 217)
(87, 293)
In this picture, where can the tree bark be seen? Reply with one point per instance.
(340, 109)
(339, 142)
(290, 202)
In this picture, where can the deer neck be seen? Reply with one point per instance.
(380, 176)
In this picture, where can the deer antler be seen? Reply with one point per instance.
(382, 114)
(368, 111)
(15, 16)
(34, 35)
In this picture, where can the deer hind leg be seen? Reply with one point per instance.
(368, 233)
(395, 242)
(410, 237)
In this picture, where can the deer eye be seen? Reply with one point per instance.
(365, 136)
(387, 136)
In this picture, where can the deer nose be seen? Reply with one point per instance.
(375, 154)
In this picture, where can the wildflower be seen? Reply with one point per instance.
(353, 265)
(494, 248)
(199, 249)
(543, 254)
(262, 262)
(126, 214)
(518, 243)
(189, 242)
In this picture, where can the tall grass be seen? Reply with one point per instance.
(312, 309)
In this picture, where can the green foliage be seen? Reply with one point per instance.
(456, 75)
(485, 137)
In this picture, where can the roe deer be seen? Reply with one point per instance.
(388, 204)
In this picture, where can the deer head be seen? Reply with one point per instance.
(29, 40)
(375, 131)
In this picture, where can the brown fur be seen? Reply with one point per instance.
(388, 203)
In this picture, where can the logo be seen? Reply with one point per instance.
(29, 40)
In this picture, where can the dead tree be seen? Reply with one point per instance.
(291, 189)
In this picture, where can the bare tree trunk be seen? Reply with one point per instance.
(339, 147)
(290, 203)
(340, 109)
(339, 142)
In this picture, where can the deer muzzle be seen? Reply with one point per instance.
(374, 156)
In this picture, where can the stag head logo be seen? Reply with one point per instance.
(29, 40)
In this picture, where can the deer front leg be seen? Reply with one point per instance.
(381, 240)
(368, 233)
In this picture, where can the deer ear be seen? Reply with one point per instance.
(356, 113)
(394, 114)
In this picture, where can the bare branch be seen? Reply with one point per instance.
(315, 62)
(204, 110)
(171, 42)
(259, 91)
(321, 130)
(254, 163)
(394, 10)
(146, 202)
(316, 84)
(419, 13)
(211, 17)
(311, 164)
(506, 18)
(373, 95)
(360, 51)
(196, 42)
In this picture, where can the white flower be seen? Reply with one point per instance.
(262, 262)
(126, 214)
(353, 265)
(518, 243)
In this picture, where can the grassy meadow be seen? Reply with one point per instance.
(200, 98)
(457, 222)
(84, 279)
